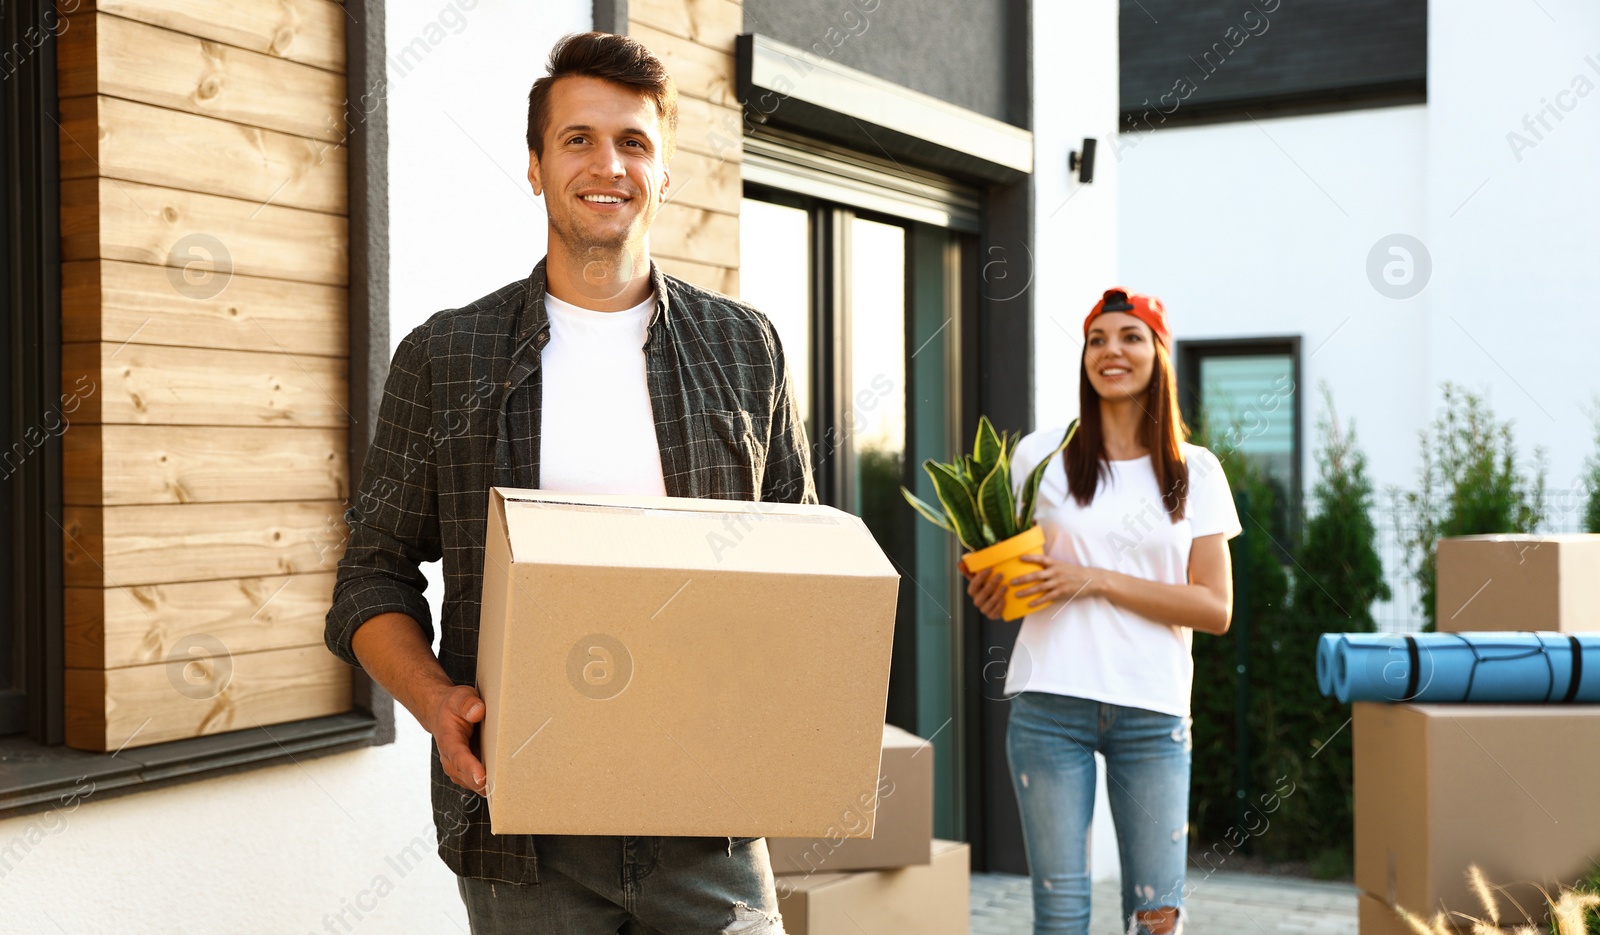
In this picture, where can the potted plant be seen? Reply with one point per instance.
(978, 506)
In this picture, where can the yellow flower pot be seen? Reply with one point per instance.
(1005, 557)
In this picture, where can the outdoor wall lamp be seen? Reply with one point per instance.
(1082, 161)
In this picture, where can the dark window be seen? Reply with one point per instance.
(30, 353)
(1183, 61)
(13, 703)
(1246, 395)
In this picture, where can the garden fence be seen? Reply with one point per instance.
(1396, 521)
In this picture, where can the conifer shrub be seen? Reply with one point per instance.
(1469, 484)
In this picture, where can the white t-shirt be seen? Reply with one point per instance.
(1088, 647)
(596, 431)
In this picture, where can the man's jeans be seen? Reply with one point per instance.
(595, 885)
(1050, 745)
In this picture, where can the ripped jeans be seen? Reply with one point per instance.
(600, 885)
(1050, 745)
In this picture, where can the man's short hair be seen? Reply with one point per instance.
(608, 57)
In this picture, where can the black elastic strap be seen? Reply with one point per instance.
(1416, 669)
(1577, 670)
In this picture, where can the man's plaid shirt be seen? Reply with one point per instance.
(460, 413)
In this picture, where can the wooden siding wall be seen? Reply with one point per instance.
(204, 329)
(696, 236)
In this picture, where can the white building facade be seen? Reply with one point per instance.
(1400, 247)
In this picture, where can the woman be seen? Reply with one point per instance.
(1136, 522)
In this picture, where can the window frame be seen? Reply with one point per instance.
(1187, 357)
(830, 319)
(38, 773)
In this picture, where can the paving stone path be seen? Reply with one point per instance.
(1222, 904)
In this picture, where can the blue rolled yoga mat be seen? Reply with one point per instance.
(1325, 653)
(1509, 667)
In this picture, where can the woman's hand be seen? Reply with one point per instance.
(1057, 580)
(988, 591)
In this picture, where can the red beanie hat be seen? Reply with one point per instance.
(1146, 308)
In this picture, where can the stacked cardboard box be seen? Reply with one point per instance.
(709, 667)
(1438, 788)
(901, 880)
(1519, 582)
(903, 834)
(926, 900)
(1376, 917)
(1509, 788)
(661, 665)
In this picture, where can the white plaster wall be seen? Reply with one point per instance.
(1266, 227)
(284, 849)
(463, 218)
(1511, 224)
(1074, 255)
(1075, 226)
(1289, 209)
(289, 848)
(1263, 228)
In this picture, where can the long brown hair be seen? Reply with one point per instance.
(1163, 432)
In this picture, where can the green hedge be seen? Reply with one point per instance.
(1297, 740)
(1469, 484)
(1591, 475)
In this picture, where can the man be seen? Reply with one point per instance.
(597, 373)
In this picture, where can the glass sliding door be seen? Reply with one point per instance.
(936, 592)
(775, 277)
(866, 306)
(875, 437)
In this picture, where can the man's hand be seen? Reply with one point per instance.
(454, 713)
(394, 651)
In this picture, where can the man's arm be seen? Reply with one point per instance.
(395, 653)
(380, 619)
(787, 478)
(394, 519)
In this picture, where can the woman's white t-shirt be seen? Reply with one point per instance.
(1088, 647)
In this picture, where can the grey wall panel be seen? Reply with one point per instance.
(954, 50)
(368, 167)
(1219, 57)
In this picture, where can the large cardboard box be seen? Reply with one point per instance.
(1516, 582)
(903, 825)
(1438, 788)
(668, 666)
(926, 900)
(1376, 917)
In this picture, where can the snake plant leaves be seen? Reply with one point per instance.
(995, 503)
(977, 501)
(988, 449)
(929, 512)
(955, 495)
(1030, 488)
